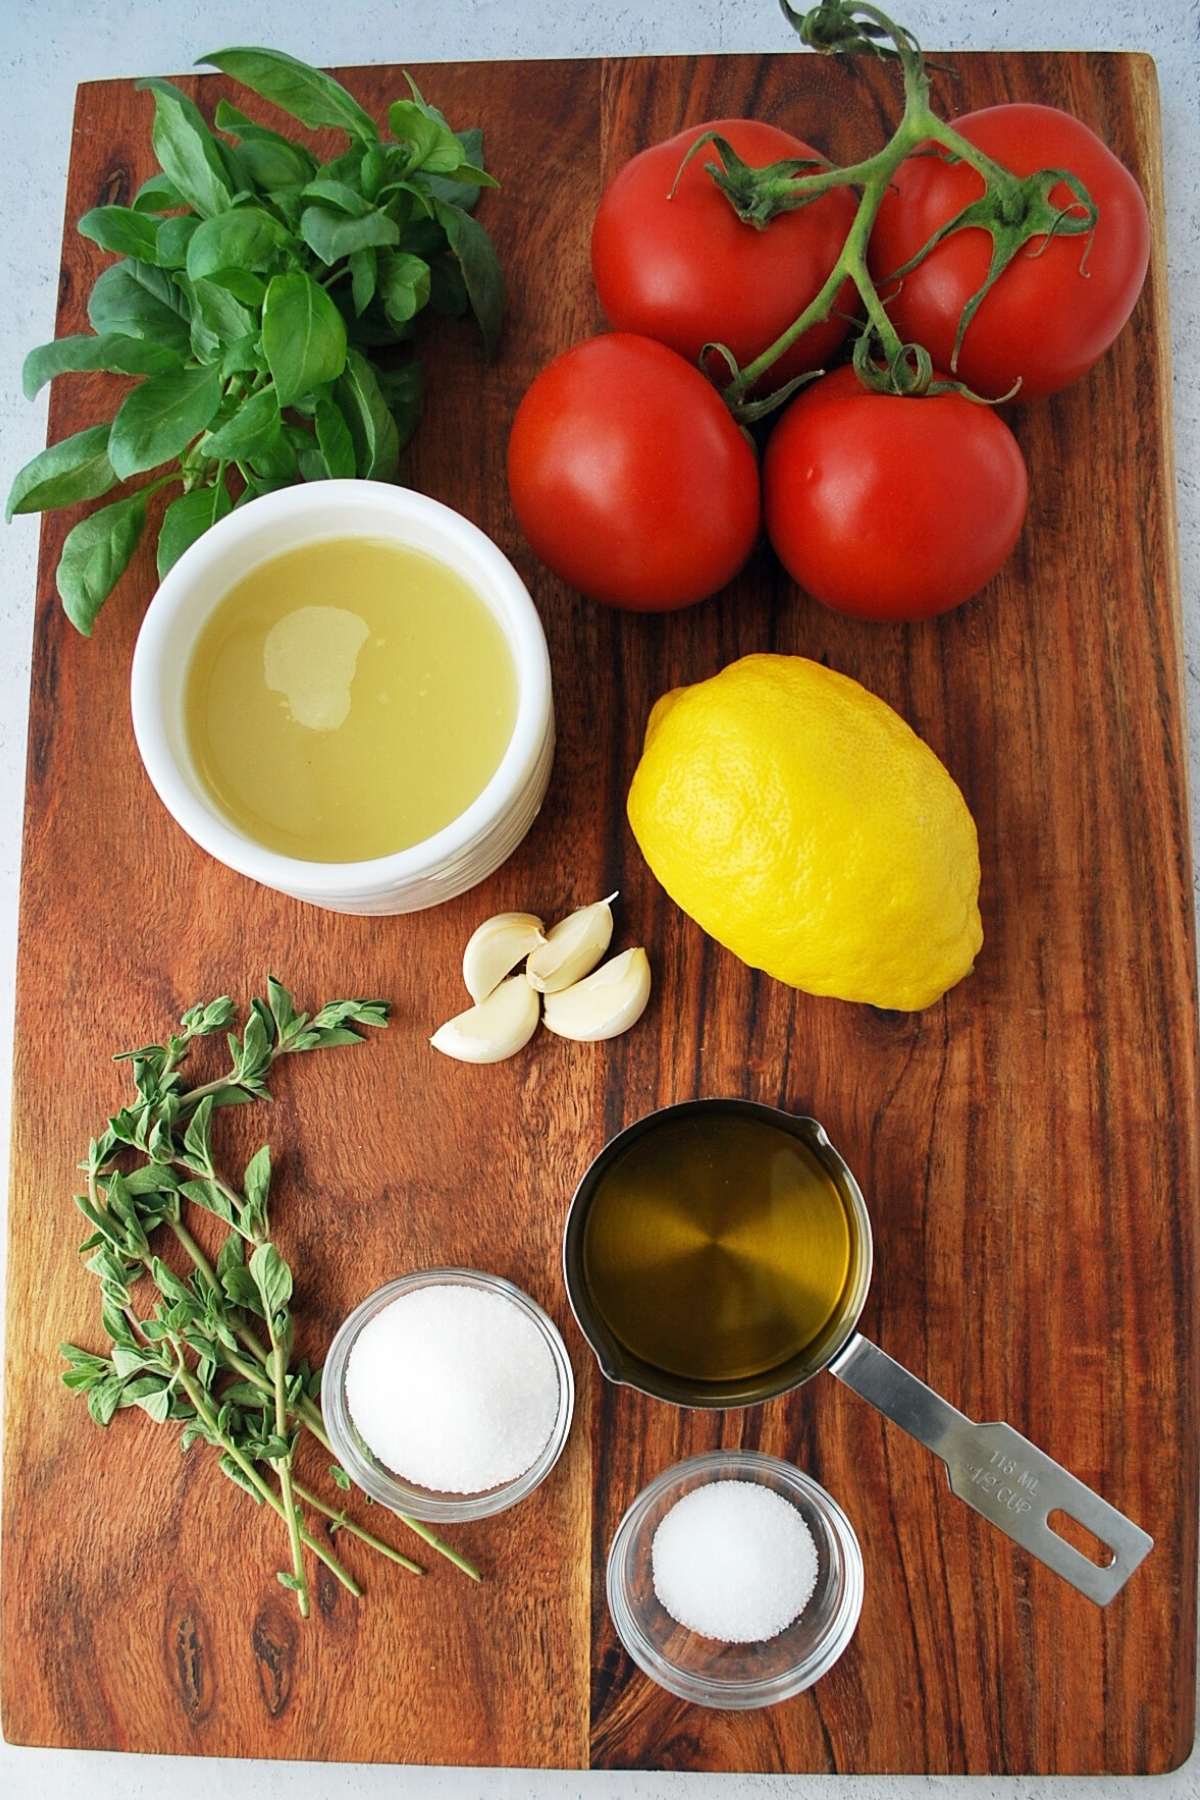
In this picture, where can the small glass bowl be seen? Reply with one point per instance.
(736, 1676)
(365, 1468)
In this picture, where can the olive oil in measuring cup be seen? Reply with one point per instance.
(718, 1253)
(717, 1247)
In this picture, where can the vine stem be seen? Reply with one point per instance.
(918, 125)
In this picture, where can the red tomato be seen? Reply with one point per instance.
(687, 271)
(887, 507)
(630, 478)
(1051, 313)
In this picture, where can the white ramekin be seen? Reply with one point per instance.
(468, 849)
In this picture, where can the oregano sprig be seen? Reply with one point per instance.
(213, 1353)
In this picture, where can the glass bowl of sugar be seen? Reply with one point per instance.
(735, 1580)
(448, 1395)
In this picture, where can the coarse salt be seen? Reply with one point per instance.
(734, 1560)
(453, 1388)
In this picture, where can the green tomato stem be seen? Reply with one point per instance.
(832, 27)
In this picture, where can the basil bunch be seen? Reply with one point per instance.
(260, 295)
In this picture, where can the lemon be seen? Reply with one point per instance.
(806, 827)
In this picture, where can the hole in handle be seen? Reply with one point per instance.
(1080, 1538)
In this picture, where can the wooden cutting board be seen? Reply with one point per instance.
(1028, 1146)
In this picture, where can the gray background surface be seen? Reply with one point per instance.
(46, 47)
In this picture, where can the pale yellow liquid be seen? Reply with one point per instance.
(348, 699)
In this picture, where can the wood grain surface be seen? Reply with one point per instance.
(1028, 1146)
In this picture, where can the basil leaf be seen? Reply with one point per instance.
(287, 201)
(372, 427)
(339, 194)
(303, 335)
(121, 230)
(364, 273)
(447, 289)
(425, 237)
(463, 186)
(346, 168)
(95, 556)
(270, 164)
(377, 164)
(122, 304)
(187, 518)
(456, 186)
(481, 271)
(246, 238)
(242, 355)
(189, 154)
(158, 194)
(247, 288)
(270, 160)
(275, 462)
(160, 283)
(253, 427)
(75, 469)
(403, 286)
(159, 419)
(217, 318)
(332, 235)
(174, 236)
(374, 331)
(432, 144)
(308, 94)
(112, 352)
(403, 390)
(333, 437)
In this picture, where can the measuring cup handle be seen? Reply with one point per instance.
(1001, 1474)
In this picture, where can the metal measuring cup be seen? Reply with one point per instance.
(992, 1467)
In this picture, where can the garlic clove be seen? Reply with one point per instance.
(495, 1029)
(605, 1004)
(572, 949)
(496, 947)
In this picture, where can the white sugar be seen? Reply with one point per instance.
(734, 1561)
(453, 1388)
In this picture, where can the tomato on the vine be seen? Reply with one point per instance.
(891, 507)
(1061, 301)
(629, 476)
(683, 268)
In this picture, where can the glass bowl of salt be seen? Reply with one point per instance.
(448, 1395)
(735, 1580)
